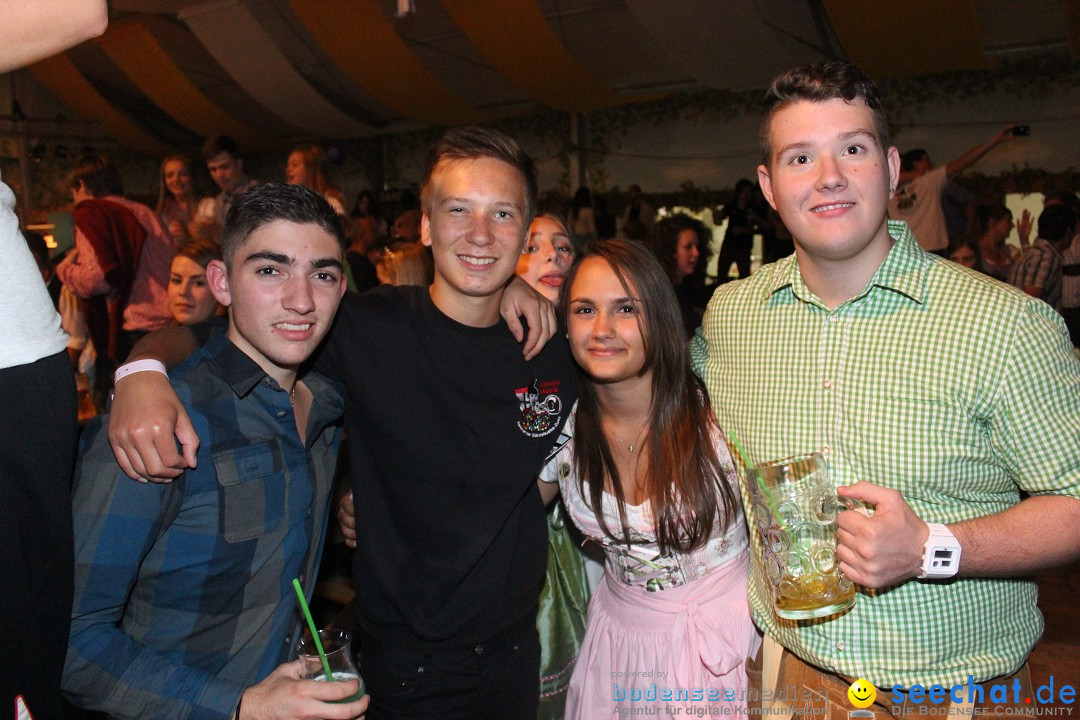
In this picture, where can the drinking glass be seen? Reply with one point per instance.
(337, 644)
(795, 506)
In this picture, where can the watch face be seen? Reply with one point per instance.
(941, 553)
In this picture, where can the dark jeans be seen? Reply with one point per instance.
(37, 456)
(497, 679)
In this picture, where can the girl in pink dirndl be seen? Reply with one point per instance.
(645, 472)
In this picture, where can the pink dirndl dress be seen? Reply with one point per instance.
(662, 631)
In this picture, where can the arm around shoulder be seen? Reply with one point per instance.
(146, 414)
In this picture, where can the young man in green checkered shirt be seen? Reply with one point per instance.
(936, 394)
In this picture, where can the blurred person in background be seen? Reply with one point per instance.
(180, 205)
(997, 256)
(917, 200)
(1070, 268)
(367, 205)
(190, 298)
(363, 252)
(307, 166)
(965, 251)
(742, 221)
(583, 219)
(405, 263)
(406, 226)
(1038, 271)
(225, 164)
(639, 216)
(40, 250)
(545, 260)
(681, 243)
(119, 265)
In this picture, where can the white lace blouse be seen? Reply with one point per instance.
(641, 563)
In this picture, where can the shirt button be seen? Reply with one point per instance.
(479, 649)
(827, 384)
(281, 413)
(826, 450)
(841, 646)
(833, 319)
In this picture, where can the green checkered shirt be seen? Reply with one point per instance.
(951, 387)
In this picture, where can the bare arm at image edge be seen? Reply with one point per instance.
(35, 30)
(146, 414)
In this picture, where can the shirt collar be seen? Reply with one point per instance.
(904, 271)
(242, 374)
(237, 369)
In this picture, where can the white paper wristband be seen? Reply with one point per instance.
(139, 366)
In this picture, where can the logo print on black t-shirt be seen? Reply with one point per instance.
(541, 408)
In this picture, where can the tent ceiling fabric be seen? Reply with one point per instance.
(64, 80)
(259, 67)
(911, 38)
(385, 67)
(710, 38)
(272, 72)
(142, 58)
(530, 55)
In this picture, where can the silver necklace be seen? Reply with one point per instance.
(630, 446)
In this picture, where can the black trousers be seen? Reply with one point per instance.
(38, 426)
(734, 250)
(497, 679)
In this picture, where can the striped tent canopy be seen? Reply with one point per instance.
(170, 72)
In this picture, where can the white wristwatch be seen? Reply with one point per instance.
(941, 553)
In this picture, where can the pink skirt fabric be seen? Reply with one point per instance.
(682, 647)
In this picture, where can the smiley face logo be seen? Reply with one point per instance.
(862, 694)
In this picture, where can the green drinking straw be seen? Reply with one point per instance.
(314, 630)
(769, 497)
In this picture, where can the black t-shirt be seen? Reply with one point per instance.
(448, 427)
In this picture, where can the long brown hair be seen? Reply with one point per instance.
(315, 167)
(684, 481)
(164, 196)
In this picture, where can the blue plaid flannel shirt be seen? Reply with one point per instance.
(183, 593)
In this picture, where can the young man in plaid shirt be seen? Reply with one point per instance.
(183, 598)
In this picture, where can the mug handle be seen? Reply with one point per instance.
(863, 508)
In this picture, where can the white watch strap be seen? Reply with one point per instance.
(941, 553)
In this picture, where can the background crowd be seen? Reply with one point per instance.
(640, 287)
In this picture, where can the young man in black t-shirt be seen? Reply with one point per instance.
(448, 426)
